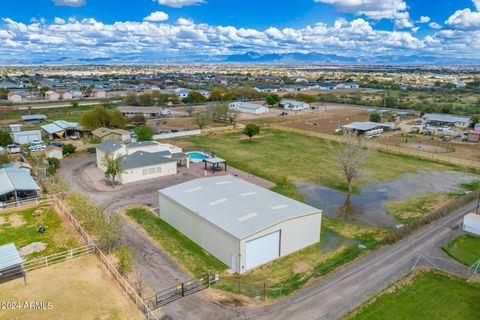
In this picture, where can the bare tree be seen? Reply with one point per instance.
(351, 154)
(202, 119)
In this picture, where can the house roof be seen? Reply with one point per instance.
(12, 179)
(34, 117)
(236, 206)
(110, 146)
(445, 118)
(246, 105)
(9, 256)
(59, 125)
(142, 159)
(475, 132)
(362, 126)
(139, 144)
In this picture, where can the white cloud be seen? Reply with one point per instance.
(180, 3)
(415, 30)
(434, 25)
(425, 19)
(466, 18)
(69, 3)
(385, 9)
(58, 20)
(157, 16)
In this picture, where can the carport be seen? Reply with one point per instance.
(11, 263)
(17, 184)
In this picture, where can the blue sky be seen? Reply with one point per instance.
(42, 29)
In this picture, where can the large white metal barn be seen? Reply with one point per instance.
(241, 224)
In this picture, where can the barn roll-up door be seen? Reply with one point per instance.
(262, 249)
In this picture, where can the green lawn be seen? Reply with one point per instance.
(186, 252)
(465, 248)
(429, 295)
(413, 208)
(21, 229)
(276, 154)
(471, 186)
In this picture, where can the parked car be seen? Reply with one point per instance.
(13, 148)
(174, 130)
(37, 142)
(56, 144)
(36, 147)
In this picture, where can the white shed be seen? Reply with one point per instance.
(54, 152)
(294, 105)
(241, 224)
(26, 137)
(248, 107)
(471, 223)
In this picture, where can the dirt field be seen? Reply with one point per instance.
(77, 289)
(323, 119)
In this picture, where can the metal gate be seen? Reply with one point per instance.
(184, 289)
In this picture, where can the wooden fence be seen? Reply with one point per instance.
(55, 258)
(464, 163)
(126, 286)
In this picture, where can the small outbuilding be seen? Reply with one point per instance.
(294, 105)
(34, 118)
(241, 224)
(471, 223)
(11, 263)
(26, 137)
(105, 134)
(54, 152)
(245, 107)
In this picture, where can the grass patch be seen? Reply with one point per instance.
(413, 208)
(428, 295)
(276, 154)
(471, 186)
(186, 252)
(464, 248)
(21, 228)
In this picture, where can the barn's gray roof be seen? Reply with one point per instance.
(142, 159)
(34, 117)
(362, 126)
(59, 125)
(9, 256)
(236, 206)
(445, 118)
(12, 179)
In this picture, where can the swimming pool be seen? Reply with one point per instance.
(197, 156)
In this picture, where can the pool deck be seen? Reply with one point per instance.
(198, 171)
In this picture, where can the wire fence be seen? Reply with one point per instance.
(437, 157)
(261, 290)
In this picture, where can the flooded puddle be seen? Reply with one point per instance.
(331, 241)
(368, 208)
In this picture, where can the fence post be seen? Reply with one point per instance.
(208, 275)
(183, 291)
(264, 291)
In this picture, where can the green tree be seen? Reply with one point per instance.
(308, 98)
(146, 99)
(74, 104)
(5, 138)
(96, 118)
(131, 99)
(194, 97)
(272, 99)
(53, 162)
(117, 119)
(114, 166)
(138, 119)
(43, 90)
(216, 95)
(251, 130)
(68, 149)
(475, 120)
(4, 158)
(375, 117)
(125, 260)
(144, 133)
(4, 94)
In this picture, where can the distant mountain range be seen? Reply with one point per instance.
(258, 58)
